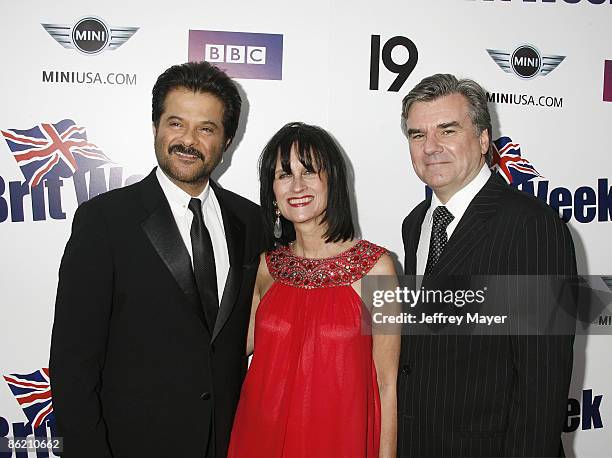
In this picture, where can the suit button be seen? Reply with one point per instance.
(205, 396)
(406, 369)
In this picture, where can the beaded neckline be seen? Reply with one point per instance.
(342, 269)
(339, 255)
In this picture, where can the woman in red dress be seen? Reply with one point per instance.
(319, 384)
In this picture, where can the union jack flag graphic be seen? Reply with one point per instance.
(53, 150)
(33, 393)
(507, 161)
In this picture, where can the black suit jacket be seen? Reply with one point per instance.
(484, 396)
(135, 370)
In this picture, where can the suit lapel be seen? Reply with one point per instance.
(472, 228)
(235, 236)
(450, 272)
(161, 229)
(413, 235)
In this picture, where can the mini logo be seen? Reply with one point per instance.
(507, 161)
(526, 61)
(90, 35)
(57, 150)
(241, 55)
(33, 393)
(607, 90)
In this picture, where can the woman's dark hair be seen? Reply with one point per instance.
(200, 77)
(318, 152)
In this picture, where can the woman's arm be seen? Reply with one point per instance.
(386, 348)
(262, 283)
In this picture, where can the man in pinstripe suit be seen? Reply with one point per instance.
(477, 396)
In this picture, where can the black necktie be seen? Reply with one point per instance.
(441, 219)
(204, 264)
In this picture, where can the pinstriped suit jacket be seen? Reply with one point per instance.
(488, 396)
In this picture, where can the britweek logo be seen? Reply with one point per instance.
(33, 394)
(241, 55)
(584, 415)
(526, 61)
(585, 204)
(90, 35)
(607, 86)
(48, 154)
(509, 164)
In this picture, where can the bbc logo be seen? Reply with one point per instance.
(233, 54)
(239, 54)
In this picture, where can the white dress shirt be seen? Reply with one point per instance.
(211, 211)
(457, 205)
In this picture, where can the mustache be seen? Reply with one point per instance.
(178, 148)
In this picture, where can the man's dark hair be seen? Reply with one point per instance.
(318, 152)
(200, 77)
(435, 86)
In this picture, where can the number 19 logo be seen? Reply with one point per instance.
(402, 70)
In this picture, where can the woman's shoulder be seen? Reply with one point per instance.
(381, 262)
(272, 257)
(274, 261)
(373, 248)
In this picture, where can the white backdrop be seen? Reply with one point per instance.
(326, 65)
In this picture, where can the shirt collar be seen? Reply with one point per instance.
(460, 201)
(175, 195)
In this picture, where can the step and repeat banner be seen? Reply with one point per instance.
(75, 121)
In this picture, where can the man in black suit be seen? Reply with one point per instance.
(476, 396)
(155, 289)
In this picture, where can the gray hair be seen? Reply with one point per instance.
(441, 84)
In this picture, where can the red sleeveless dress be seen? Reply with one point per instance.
(311, 389)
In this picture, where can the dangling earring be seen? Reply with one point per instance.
(278, 229)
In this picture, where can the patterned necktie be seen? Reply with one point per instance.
(441, 219)
(204, 264)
